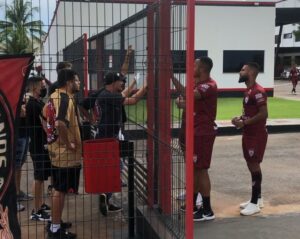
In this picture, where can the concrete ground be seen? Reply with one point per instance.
(230, 186)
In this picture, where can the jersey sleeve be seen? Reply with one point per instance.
(62, 104)
(205, 90)
(260, 98)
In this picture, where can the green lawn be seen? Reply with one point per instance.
(227, 108)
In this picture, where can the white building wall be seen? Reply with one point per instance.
(73, 19)
(221, 28)
(218, 28)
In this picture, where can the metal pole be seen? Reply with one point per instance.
(189, 117)
(130, 190)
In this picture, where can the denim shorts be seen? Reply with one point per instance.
(21, 151)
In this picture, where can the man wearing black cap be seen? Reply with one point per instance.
(109, 104)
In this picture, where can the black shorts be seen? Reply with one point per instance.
(41, 165)
(66, 179)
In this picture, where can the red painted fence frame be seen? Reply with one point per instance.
(190, 44)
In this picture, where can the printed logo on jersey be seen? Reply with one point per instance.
(251, 152)
(246, 99)
(204, 87)
(258, 96)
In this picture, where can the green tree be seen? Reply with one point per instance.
(297, 33)
(19, 33)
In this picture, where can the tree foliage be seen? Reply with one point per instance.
(19, 32)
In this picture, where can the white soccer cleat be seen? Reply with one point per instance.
(250, 209)
(260, 203)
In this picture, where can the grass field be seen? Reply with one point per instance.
(227, 108)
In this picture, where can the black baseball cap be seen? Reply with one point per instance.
(112, 77)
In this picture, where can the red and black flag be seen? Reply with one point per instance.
(14, 70)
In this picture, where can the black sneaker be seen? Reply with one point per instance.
(45, 207)
(200, 216)
(183, 209)
(113, 208)
(103, 204)
(40, 215)
(24, 197)
(63, 225)
(61, 234)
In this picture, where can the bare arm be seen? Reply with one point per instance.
(127, 91)
(178, 86)
(136, 97)
(124, 68)
(261, 115)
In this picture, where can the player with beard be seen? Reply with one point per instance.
(65, 148)
(255, 135)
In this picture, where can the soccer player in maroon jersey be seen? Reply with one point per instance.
(255, 135)
(294, 74)
(205, 130)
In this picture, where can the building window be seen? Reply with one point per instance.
(297, 60)
(287, 61)
(179, 59)
(93, 81)
(233, 61)
(288, 35)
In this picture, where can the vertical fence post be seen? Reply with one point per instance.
(164, 44)
(85, 64)
(190, 41)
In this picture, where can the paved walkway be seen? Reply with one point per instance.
(231, 185)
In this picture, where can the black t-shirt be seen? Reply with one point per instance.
(36, 132)
(111, 107)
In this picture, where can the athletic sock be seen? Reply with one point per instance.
(256, 186)
(206, 205)
(195, 199)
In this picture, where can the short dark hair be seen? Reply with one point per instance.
(207, 62)
(62, 65)
(33, 79)
(253, 66)
(65, 75)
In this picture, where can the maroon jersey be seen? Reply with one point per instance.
(254, 98)
(206, 108)
(294, 73)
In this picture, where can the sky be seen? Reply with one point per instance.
(46, 10)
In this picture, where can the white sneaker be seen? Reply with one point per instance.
(250, 209)
(181, 197)
(20, 207)
(260, 203)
